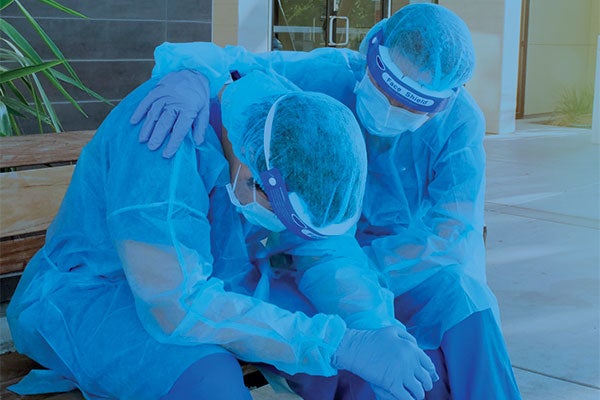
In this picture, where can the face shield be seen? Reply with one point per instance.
(373, 106)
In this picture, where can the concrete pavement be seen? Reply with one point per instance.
(543, 257)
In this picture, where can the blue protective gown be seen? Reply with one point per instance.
(148, 268)
(422, 222)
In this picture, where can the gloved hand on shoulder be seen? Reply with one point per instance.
(180, 101)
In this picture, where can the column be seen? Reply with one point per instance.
(495, 27)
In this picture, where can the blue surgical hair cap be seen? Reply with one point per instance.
(433, 39)
(316, 144)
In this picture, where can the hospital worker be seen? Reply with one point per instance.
(422, 219)
(158, 275)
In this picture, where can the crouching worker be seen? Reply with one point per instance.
(158, 275)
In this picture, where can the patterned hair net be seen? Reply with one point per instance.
(434, 39)
(316, 144)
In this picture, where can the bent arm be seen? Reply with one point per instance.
(194, 308)
(157, 219)
(446, 229)
(335, 276)
(186, 70)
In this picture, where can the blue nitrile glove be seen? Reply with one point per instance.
(389, 359)
(180, 101)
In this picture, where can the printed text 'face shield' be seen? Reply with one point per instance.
(381, 118)
(400, 87)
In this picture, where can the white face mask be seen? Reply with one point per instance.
(378, 116)
(254, 212)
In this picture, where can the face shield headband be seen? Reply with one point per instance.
(400, 87)
(276, 190)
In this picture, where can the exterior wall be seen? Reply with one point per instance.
(561, 50)
(593, 33)
(225, 22)
(255, 25)
(112, 50)
(494, 25)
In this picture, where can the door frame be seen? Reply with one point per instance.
(522, 74)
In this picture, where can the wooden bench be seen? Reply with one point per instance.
(35, 171)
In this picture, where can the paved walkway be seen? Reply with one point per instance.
(543, 257)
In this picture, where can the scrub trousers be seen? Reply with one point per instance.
(472, 363)
(215, 377)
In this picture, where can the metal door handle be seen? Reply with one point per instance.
(330, 41)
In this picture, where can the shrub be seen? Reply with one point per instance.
(22, 94)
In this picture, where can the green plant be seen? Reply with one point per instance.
(574, 108)
(22, 93)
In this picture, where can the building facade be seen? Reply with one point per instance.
(111, 50)
(528, 51)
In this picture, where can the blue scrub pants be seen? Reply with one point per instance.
(345, 385)
(215, 377)
(472, 363)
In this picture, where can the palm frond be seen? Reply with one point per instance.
(22, 93)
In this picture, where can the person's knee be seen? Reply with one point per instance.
(477, 360)
(478, 332)
(441, 388)
(214, 377)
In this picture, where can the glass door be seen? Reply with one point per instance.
(299, 24)
(303, 25)
(350, 20)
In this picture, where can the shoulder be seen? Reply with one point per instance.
(325, 70)
(466, 106)
(463, 114)
(462, 124)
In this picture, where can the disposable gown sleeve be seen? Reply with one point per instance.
(214, 62)
(326, 70)
(157, 219)
(445, 232)
(335, 276)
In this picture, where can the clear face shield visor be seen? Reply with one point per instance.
(373, 106)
